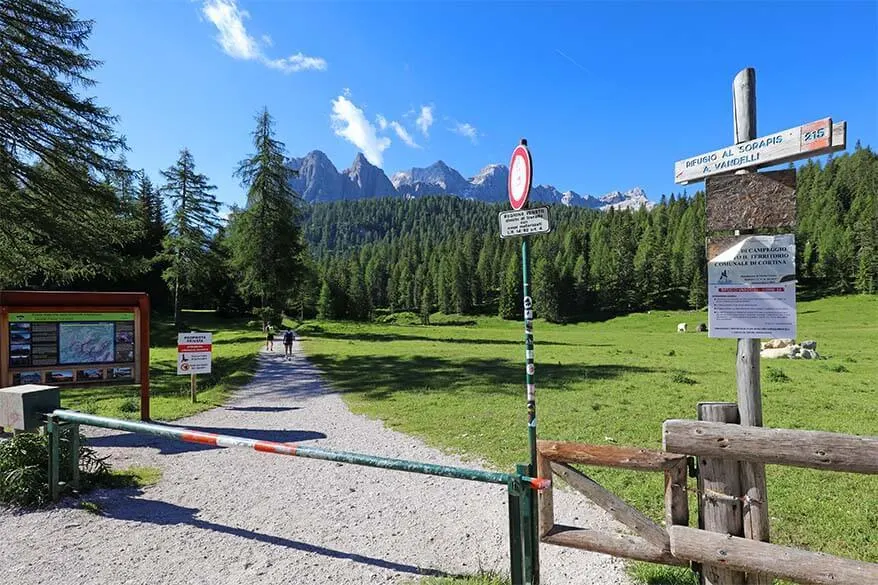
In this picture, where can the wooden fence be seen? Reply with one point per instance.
(723, 556)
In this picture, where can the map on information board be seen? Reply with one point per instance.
(71, 347)
(86, 343)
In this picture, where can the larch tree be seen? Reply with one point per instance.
(265, 237)
(194, 219)
(60, 221)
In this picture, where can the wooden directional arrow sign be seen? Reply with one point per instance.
(814, 139)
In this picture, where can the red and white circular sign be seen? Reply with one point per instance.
(520, 176)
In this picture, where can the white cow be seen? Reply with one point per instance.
(681, 328)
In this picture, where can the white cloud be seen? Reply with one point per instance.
(467, 130)
(404, 134)
(382, 121)
(349, 122)
(236, 42)
(296, 63)
(229, 21)
(425, 119)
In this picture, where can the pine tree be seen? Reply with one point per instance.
(511, 290)
(192, 224)
(546, 288)
(426, 305)
(324, 303)
(59, 219)
(266, 236)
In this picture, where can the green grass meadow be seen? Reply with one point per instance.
(460, 387)
(235, 346)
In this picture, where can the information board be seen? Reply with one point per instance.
(194, 353)
(752, 289)
(65, 348)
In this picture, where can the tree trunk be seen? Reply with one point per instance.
(177, 303)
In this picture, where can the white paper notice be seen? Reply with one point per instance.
(751, 289)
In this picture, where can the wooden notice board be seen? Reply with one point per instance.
(75, 338)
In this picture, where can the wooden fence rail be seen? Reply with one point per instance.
(813, 449)
(650, 542)
(746, 555)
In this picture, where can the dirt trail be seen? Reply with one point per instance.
(234, 516)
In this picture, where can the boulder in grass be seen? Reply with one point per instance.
(777, 343)
(775, 353)
(810, 344)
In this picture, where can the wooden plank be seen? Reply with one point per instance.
(743, 554)
(546, 501)
(608, 456)
(676, 496)
(719, 509)
(751, 201)
(616, 506)
(617, 545)
(796, 143)
(812, 449)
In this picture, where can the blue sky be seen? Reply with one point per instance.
(609, 94)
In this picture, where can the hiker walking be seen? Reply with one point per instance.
(269, 337)
(288, 344)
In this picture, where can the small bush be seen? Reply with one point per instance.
(681, 377)
(775, 375)
(129, 405)
(24, 473)
(403, 318)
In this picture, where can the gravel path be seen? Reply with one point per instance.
(234, 516)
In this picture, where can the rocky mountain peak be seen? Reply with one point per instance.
(319, 180)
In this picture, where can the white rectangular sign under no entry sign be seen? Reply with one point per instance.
(752, 289)
(524, 222)
(194, 353)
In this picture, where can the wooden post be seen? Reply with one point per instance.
(719, 487)
(546, 497)
(192, 392)
(755, 516)
(676, 497)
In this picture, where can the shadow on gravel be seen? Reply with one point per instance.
(173, 447)
(126, 506)
(262, 408)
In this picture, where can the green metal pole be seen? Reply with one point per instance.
(294, 450)
(531, 401)
(53, 431)
(529, 356)
(74, 454)
(529, 547)
(516, 573)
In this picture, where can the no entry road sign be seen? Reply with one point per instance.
(520, 175)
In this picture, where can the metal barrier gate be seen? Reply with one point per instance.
(521, 487)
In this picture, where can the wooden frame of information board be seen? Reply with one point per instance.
(42, 302)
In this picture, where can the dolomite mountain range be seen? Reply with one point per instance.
(319, 181)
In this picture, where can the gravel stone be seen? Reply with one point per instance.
(234, 516)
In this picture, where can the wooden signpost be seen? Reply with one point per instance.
(738, 203)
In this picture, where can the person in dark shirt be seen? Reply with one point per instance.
(288, 344)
